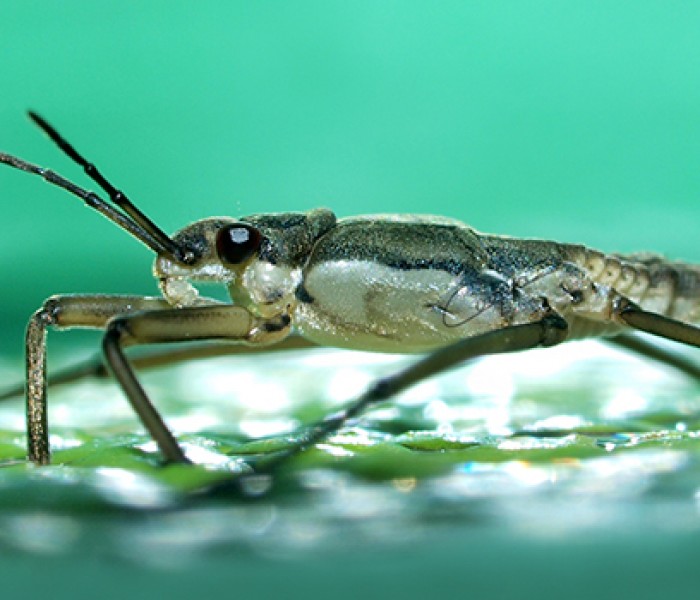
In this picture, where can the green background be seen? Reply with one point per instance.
(571, 121)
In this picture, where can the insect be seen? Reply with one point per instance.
(389, 283)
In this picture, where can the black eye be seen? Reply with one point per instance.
(236, 243)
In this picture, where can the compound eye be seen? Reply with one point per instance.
(237, 243)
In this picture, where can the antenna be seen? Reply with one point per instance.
(122, 211)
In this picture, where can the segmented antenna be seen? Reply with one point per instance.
(125, 214)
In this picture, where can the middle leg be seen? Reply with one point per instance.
(549, 331)
(222, 322)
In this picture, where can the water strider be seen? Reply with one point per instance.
(387, 283)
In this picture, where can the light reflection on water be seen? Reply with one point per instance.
(549, 450)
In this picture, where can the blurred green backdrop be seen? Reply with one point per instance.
(572, 121)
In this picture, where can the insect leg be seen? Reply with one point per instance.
(549, 331)
(223, 322)
(655, 352)
(95, 367)
(63, 312)
(656, 324)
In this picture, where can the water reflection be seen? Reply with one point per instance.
(544, 444)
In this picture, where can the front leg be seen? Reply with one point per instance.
(222, 322)
(64, 312)
(129, 320)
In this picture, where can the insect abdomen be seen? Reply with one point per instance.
(656, 284)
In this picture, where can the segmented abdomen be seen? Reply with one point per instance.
(655, 283)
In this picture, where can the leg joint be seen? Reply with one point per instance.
(49, 313)
(554, 330)
(116, 331)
